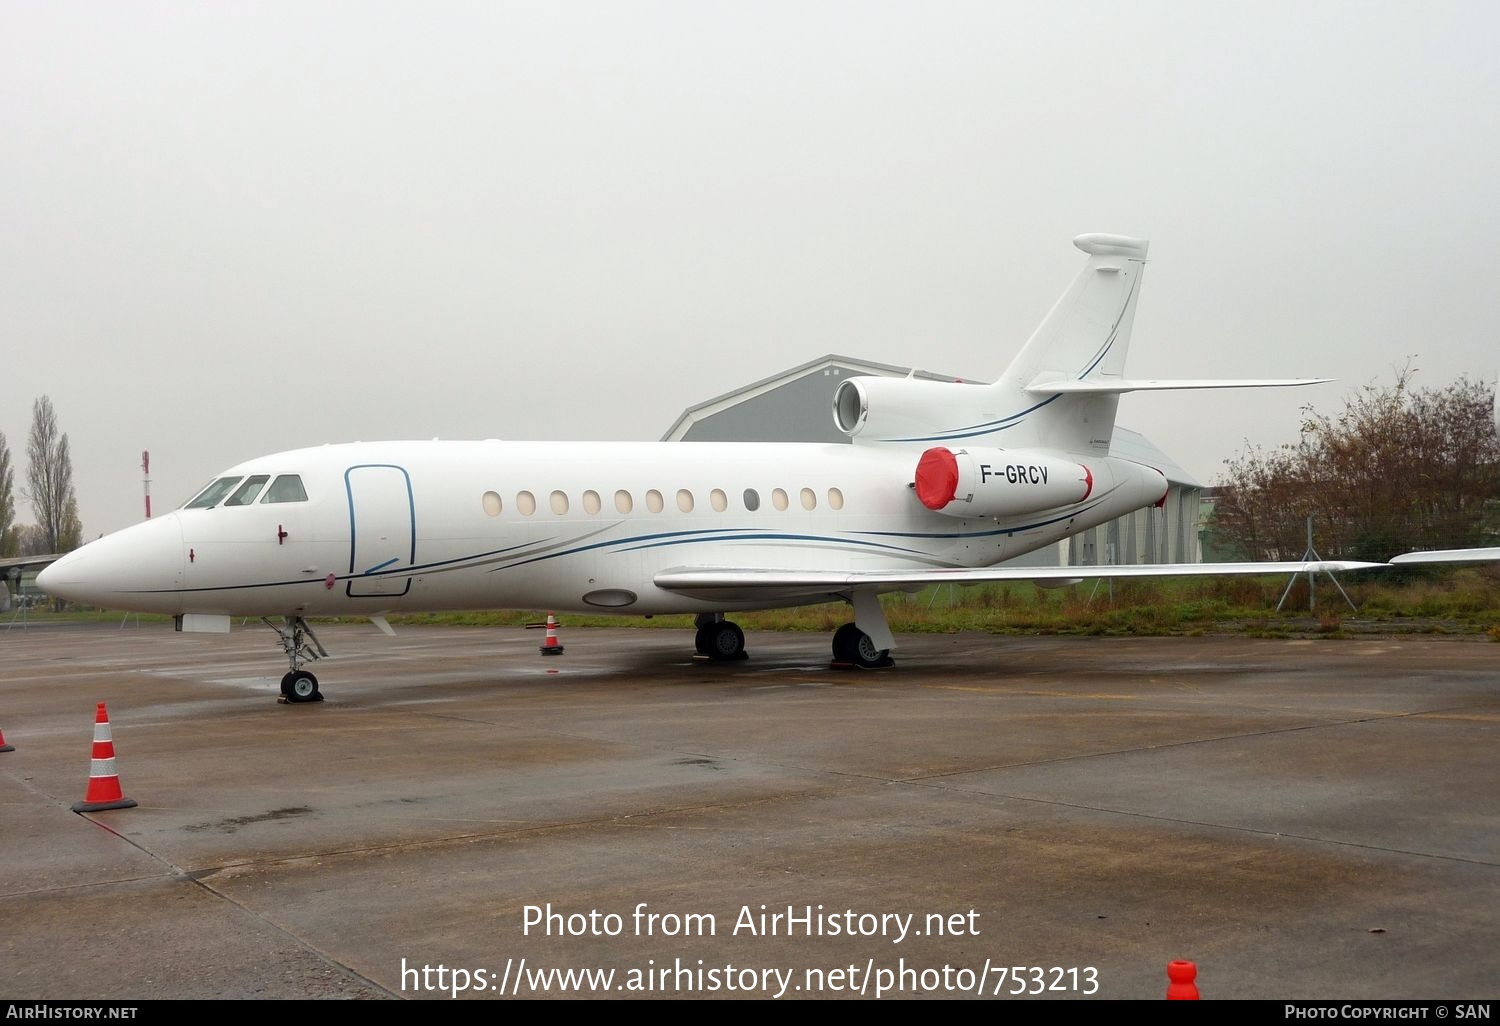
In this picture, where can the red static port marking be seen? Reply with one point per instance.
(1088, 482)
(330, 581)
(937, 478)
(191, 557)
(280, 534)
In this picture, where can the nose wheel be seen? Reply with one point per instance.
(300, 686)
(300, 645)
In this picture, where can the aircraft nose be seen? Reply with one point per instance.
(139, 568)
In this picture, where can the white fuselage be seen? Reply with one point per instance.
(409, 526)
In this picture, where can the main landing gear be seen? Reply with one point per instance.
(853, 647)
(867, 642)
(864, 644)
(300, 645)
(718, 639)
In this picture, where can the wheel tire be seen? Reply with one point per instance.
(703, 641)
(301, 686)
(726, 641)
(852, 645)
(846, 643)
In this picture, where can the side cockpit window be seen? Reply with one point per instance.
(245, 494)
(286, 488)
(211, 495)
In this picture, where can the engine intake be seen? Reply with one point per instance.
(903, 408)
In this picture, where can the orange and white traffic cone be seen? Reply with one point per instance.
(104, 783)
(3, 746)
(550, 645)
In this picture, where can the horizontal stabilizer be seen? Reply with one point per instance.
(1117, 387)
(723, 582)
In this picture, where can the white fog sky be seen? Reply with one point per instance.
(228, 229)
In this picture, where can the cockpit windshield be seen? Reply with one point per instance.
(286, 488)
(211, 495)
(245, 494)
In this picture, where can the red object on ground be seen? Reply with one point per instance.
(104, 783)
(550, 645)
(1182, 988)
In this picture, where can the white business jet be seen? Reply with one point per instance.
(942, 482)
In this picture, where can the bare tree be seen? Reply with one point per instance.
(1265, 502)
(71, 535)
(30, 541)
(7, 500)
(51, 478)
(1399, 468)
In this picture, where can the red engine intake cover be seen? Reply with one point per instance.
(937, 478)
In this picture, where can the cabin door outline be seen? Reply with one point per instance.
(382, 530)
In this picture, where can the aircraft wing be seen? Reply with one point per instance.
(723, 582)
(1447, 556)
(11, 568)
(29, 561)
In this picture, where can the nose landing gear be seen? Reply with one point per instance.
(300, 645)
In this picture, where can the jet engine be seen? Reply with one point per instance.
(998, 482)
(903, 408)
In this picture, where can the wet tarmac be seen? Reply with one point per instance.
(1300, 819)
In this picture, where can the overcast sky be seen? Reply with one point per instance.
(228, 229)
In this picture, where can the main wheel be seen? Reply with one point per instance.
(852, 645)
(725, 641)
(845, 643)
(703, 640)
(301, 686)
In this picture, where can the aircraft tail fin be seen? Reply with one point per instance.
(1061, 391)
(1083, 341)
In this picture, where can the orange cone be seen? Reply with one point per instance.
(1182, 988)
(3, 746)
(550, 645)
(104, 783)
